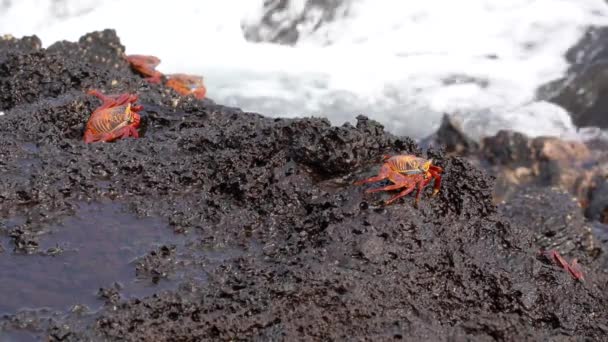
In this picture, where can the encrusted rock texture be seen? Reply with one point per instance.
(309, 256)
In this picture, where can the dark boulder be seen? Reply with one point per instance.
(452, 137)
(598, 206)
(282, 22)
(584, 89)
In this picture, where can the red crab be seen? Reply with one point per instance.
(116, 118)
(146, 66)
(406, 171)
(573, 268)
(182, 83)
(187, 84)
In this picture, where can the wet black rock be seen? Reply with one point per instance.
(110, 295)
(518, 161)
(584, 89)
(560, 225)
(10, 45)
(507, 148)
(102, 48)
(157, 264)
(283, 21)
(452, 137)
(97, 60)
(598, 206)
(280, 243)
(25, 241)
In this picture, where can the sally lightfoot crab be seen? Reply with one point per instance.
(146, 66)
(183, 84)
(116, 118)
(406, 171)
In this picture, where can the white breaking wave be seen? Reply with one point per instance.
(403, 63)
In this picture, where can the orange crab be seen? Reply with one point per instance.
(116, 118)
(182, 83)
(146, 66)
(406, 171)
(187, 84)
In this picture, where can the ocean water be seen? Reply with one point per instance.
(403, 63)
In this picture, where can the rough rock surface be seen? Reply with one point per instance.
(584, 89)
(288, 247)
(545, 161)
(518, 162)
(452, 137)
(560, 226)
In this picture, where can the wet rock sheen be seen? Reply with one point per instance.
(286, 246)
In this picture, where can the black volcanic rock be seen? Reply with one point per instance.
(280, 24)
(584, 89)
(452, 137)
(556, 219)
(10, 44)
(598, 206)
(278, 244)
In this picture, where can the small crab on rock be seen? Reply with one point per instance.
(406, 171)
(146, 66)
(116, 118)
(183, 84)
(187, 85)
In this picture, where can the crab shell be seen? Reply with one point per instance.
(187, 84)
(406, 173)
(409, 164)
(146, 66)
(116, 118)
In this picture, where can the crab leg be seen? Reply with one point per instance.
(402, 193)
(107, 101)
(421, 186)
(383, 174)
(112, 101)
(575, 270)
(385, 188)
(434, 171)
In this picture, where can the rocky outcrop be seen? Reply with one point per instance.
(278, 242)
(518, 161)
(559, 225)
(598, 206)
(284, 21)
(584, 89)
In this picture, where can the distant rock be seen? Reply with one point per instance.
(451, 135)
(584, 89)
(598, 206)
(518, 161)
(284, 21)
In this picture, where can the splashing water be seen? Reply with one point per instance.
(402, 63)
